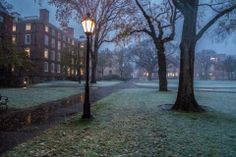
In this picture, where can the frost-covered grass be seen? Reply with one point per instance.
(46, 92)
(131, 123)
(23, 98)
(198, 84)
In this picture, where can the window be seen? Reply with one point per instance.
(59, 35)
(53, 55)
(73, 42)
(14, 28)
(27, 51)
(72, 61)
(45, 66)
(64, 38)
(58, 57)
(82, 45)
(53, 43)
(59, 45)
(46, 40)
(28, 27)
(68, 40)
(64, 45)
(46, 53)
(13, 39)
(53, 32)
(58, 68)
(46, 29)
(52, 67)
(28, 39)
(1, 19)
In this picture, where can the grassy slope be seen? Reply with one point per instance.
(130, 123)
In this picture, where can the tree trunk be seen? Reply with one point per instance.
(94, 71)
(185, 99)
(149, 76)
(162, 67)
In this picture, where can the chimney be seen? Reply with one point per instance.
(44, 15)
(69, 31)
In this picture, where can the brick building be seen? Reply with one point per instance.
(44, 43)
(6, 21)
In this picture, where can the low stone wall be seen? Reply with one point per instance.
(13, 120)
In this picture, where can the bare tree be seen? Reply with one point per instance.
(105, 12)
(144, 55)
(203, 63)
(229, 65)
(191, 34)
(123, 63)
(158, 22)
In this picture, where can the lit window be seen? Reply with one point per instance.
(52, 67)
(82, 45)
(53, 43)
(58, 57)
(46, 53)
(14, 28)
(58, 68)
(13, 39)
(28, 27)
(46, 29)
(53, 55)
(46, 40)
(28, 39)
(27, 51)
(59, 45)
(45, 66)
(72, 72)
(73, 42)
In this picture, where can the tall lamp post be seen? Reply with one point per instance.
(88, 26)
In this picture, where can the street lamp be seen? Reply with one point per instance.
(88, 26)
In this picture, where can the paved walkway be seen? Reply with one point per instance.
(8, 140)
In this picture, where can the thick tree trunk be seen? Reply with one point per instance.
(162, 72)
(185, 99)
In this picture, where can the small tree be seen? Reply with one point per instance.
(144, 55)
(124, 66)
(203, 63)
(229, 65)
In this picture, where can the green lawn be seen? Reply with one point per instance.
(131, 123)
(45, 92)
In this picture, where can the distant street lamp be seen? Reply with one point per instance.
(88, 26)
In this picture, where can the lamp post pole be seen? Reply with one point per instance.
(88, 25)
(86, 109)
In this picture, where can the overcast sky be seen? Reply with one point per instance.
(29, 8)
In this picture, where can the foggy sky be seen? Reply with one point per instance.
(29, 8)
